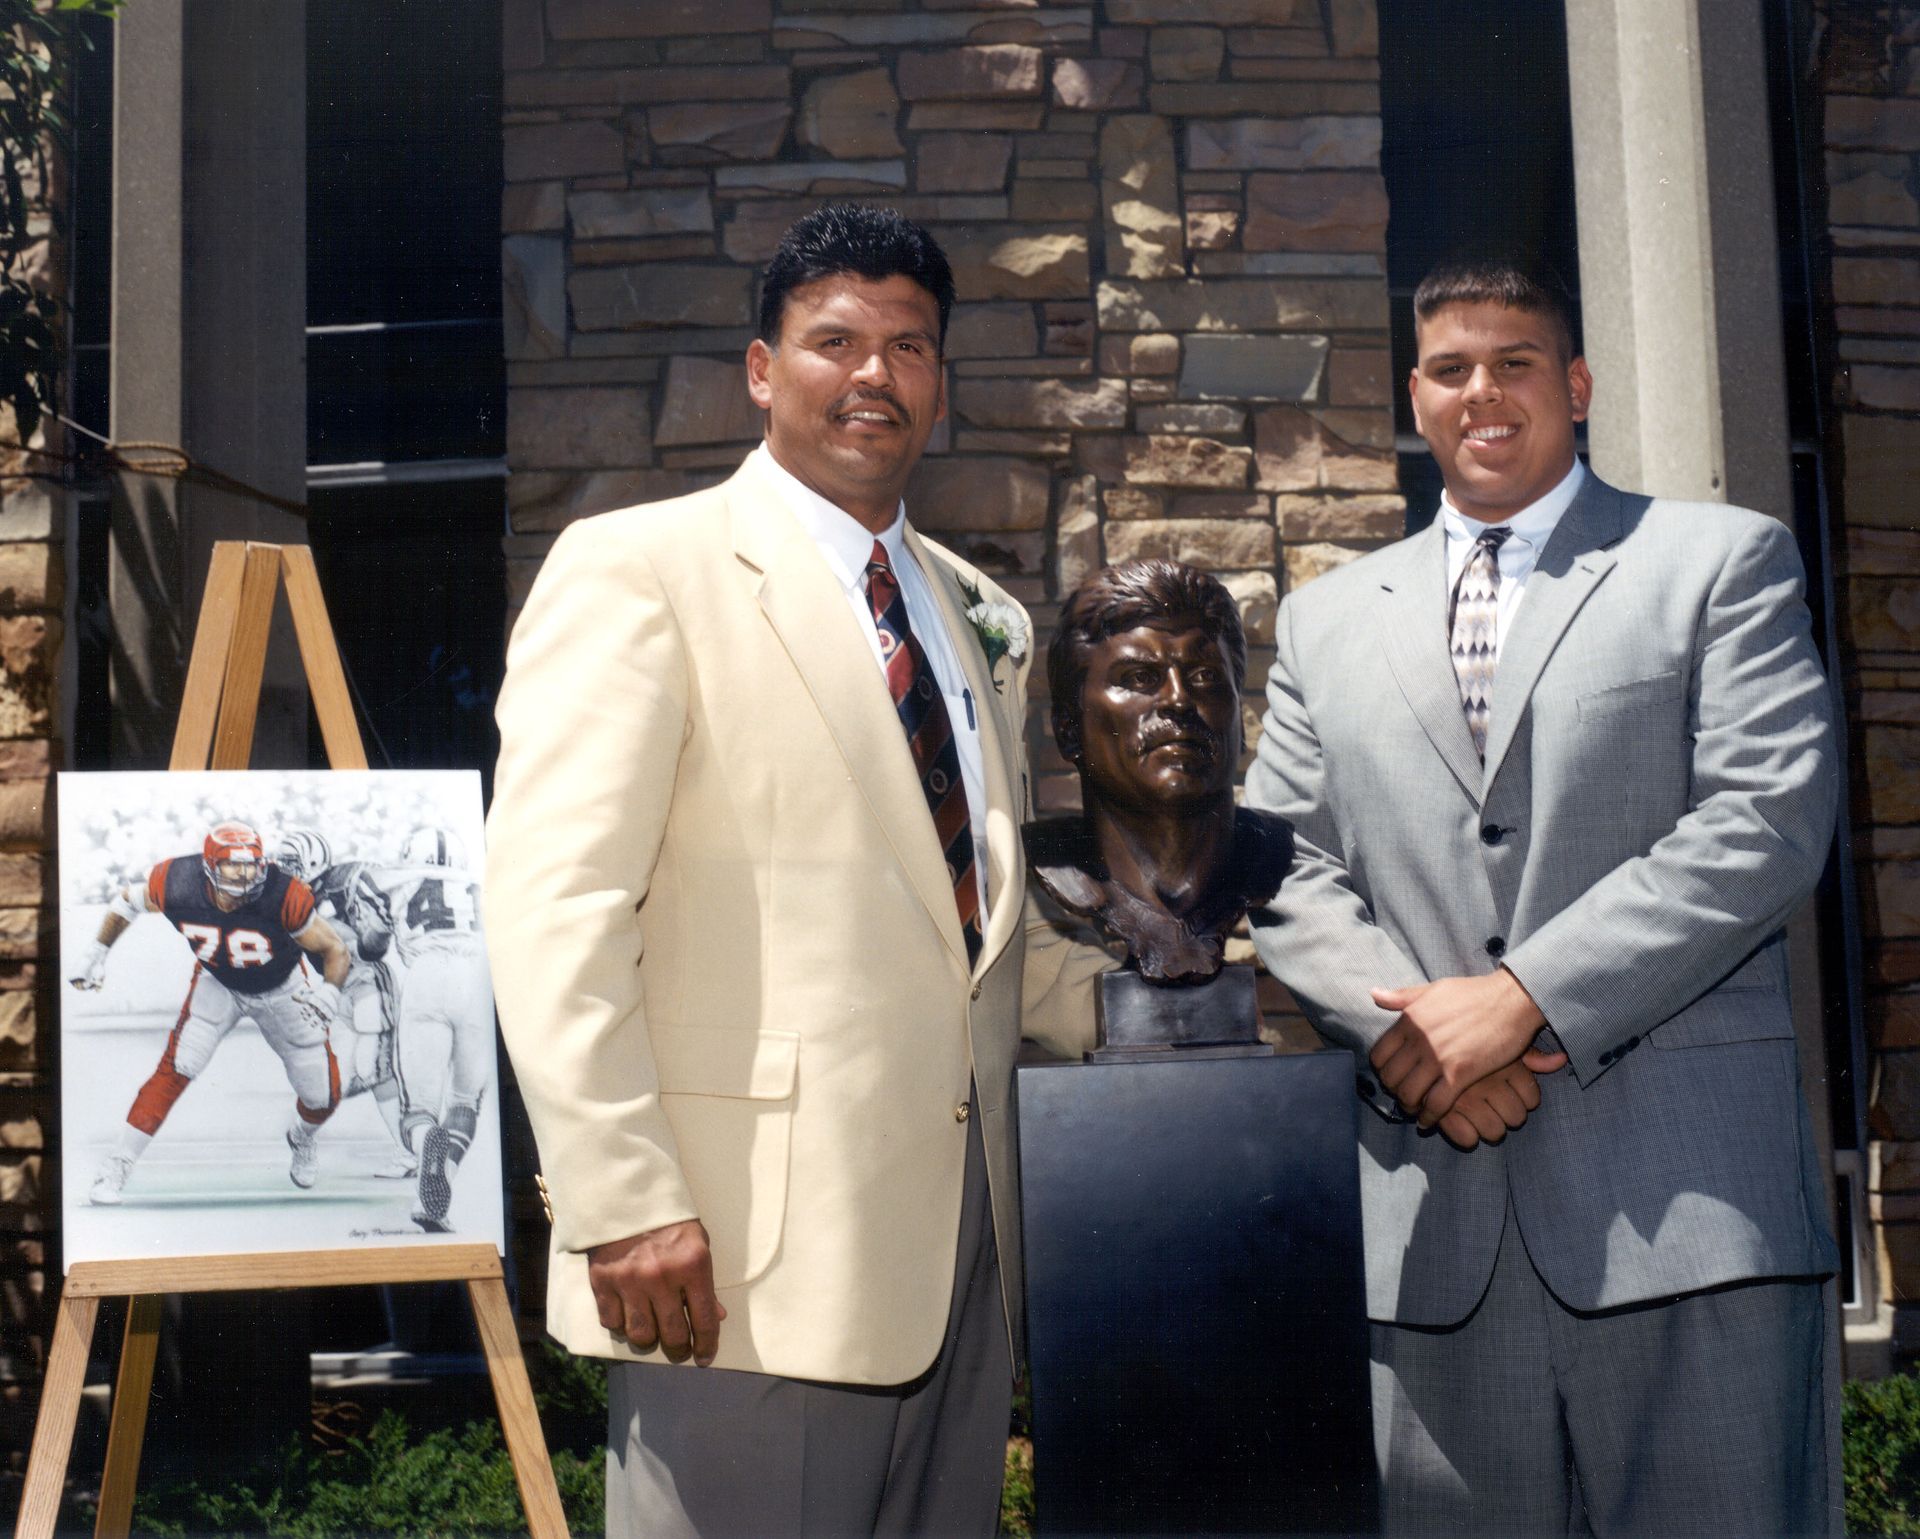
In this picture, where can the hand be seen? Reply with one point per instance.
(320, 1003)
(1485, 1112)
(1452, 1033)
(653, 1287)
(94, 973)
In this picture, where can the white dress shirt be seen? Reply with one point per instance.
(1532, 527)
(847, 545)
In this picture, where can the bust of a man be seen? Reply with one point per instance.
(1145, 675)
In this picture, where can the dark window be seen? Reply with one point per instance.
(416, 585)
(403, 231)
(406, 381)
(1477, 152)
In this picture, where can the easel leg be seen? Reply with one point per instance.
(59, 1410)
(128, 1428)
(519, 1417)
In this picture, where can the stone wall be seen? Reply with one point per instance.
(1166, 220)
(32, 522)
(1869, 69)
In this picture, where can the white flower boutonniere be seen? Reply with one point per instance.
(1002, 629)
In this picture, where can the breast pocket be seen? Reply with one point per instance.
(1636, 695)
(730, 1098)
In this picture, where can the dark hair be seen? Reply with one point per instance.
(852, 238)
(1119, 598)
(1497, 281)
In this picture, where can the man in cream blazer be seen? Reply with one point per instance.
(1539, 888)
(768, 1068)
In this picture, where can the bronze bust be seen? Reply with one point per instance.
(1145, 675)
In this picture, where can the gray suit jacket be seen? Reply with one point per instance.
(1657, 797)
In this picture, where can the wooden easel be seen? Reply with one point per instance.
(217, 714)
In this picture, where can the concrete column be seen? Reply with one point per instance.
(209, 334)
(1679, 281)
(209, 326)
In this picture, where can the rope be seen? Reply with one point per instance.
(166, 462)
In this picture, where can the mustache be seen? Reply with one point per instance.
(872, 398)
(1161, 731)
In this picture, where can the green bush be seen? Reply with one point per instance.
(395, 1481)
(389, 1482)
(1880, 1455)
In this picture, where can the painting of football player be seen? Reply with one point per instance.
(261, 950)
(350, 901)
(445, 1037)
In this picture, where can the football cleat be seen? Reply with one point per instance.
(436, 1190)
(111, 1182)
(235, 860)
(306, 1161)
(304, 853)
(433, 847)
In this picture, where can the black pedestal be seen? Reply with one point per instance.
(1195, 1299)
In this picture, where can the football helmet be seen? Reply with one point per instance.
(235, 860)
(433, 847)
(303, 852)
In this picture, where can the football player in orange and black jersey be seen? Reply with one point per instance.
(257, 939)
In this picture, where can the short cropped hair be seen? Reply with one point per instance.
(1497, 281)
(851, 238)
(1120, 598)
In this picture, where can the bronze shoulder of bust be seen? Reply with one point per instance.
(1162, 946)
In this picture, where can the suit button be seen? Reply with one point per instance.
(1365, 1086)
(976, 992)
(1631, 1042)
(1608, 1056)
(1493, 833)
(962, 1112)
(1496, 945)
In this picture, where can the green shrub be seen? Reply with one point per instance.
(389, 1482)
(1880, 1455)
(394, 1481)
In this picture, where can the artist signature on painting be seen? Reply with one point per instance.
(363, 1234)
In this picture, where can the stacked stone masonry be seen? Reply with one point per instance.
(32, 569)
(1870, 73)
(1167, 225)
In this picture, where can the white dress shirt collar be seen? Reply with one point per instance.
(843, 539)
(1534, 523)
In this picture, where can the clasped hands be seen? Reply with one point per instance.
(1459, 1057)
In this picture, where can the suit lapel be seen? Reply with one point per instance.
(1001, 812)
(808, 611)
(1414, 633)
(1569, 569)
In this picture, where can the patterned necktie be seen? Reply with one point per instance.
(1473, 622)
(923, 716)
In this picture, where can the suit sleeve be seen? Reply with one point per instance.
(1317, 934)
(1658, 931)
(1058, 983)
(592, 716)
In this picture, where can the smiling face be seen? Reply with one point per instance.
(1496, 398)
(853, 390)
(1159, 725)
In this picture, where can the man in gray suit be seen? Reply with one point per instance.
(1559, 768)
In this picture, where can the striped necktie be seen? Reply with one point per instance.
(1474, 626)
(923, 716)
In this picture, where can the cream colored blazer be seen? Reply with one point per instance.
(728, 964)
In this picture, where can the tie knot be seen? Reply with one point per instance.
(1492, 539)
(878, 562)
